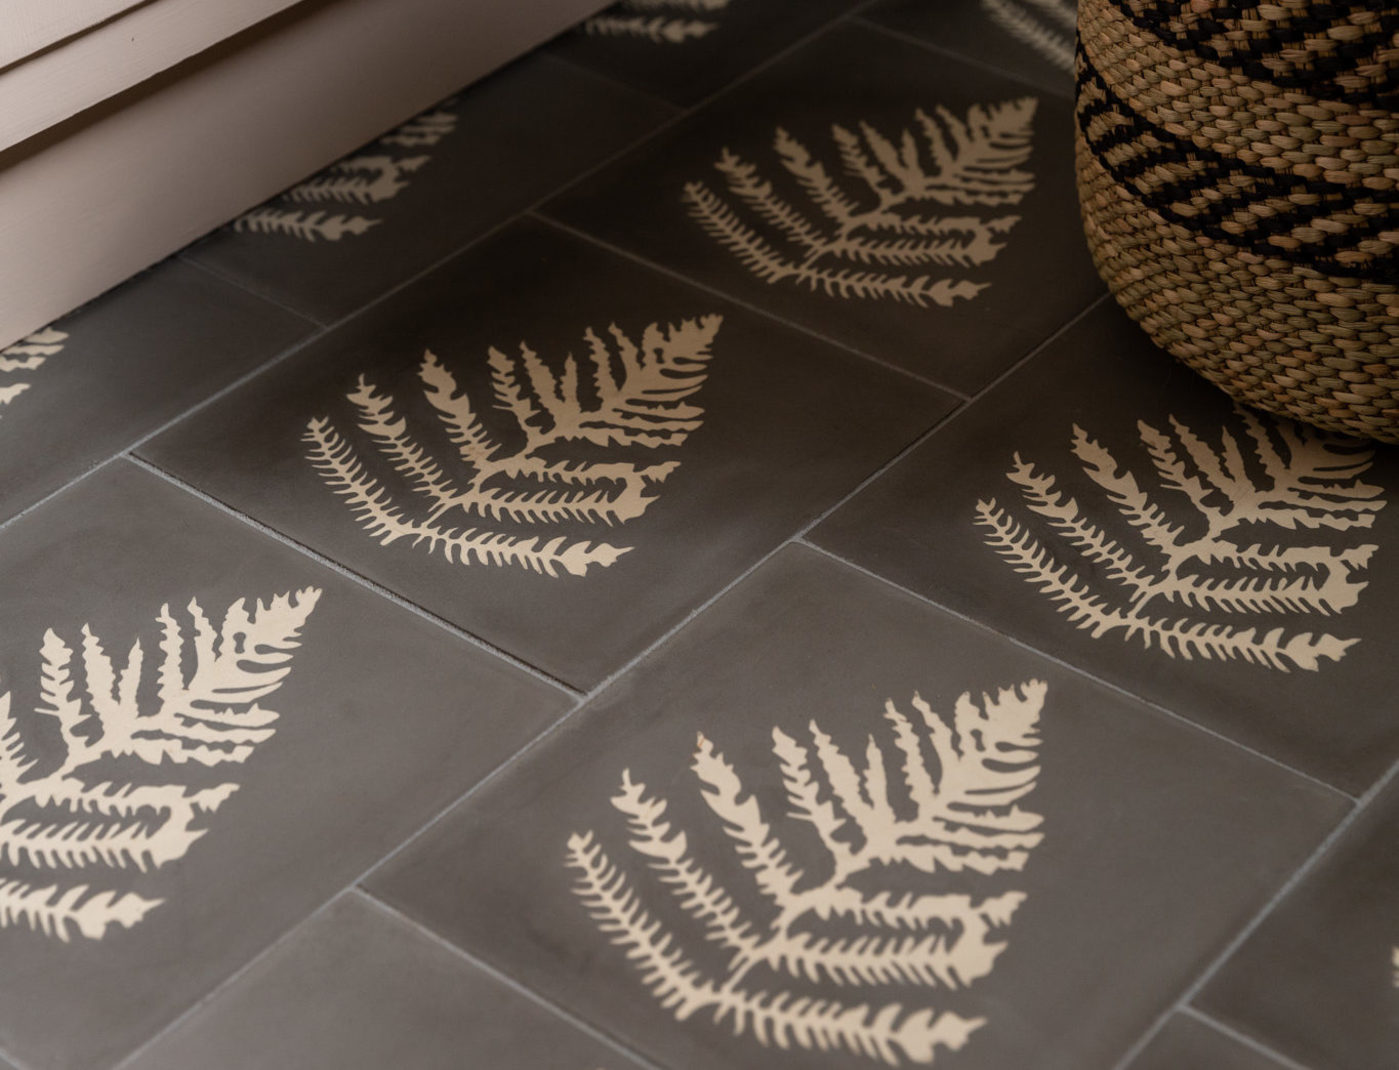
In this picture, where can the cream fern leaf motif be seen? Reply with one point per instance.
(311, 210)
(1212, 541)
(639, 400)
(26, 355)
(1047, 26)
(670, 22)
(118, 797)
(822, 921)
(879, 234)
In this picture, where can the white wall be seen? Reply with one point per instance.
(88, 202)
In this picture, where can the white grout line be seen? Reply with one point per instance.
(51, 495)
(1183, 1003)
(1077, 670)
(362, 581)
(531, 211)
(583, 1025)
(353, 889)
(528, 749)
(397, 917)
(446, 810)
(216, 272)
(798, 537)
(1244, 1039)
(526, 752)
(126, 451)
(582, 701)
(850, 17)
(943, 52)
(585, 697)
(687, 110)
(266, 951)
(322, 329)
(354, 884)
(729, 297)
(1358, 807)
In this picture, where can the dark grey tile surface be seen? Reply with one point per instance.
(1279, 590)
(1187, 1043)
(1032, 871)
(1031, 39)
(358, 989)
(759, 834)
(1318, 981)
(685, 50)
(502, 144)
(159, 826)
(95, 381)
(777, 428)
(944, 271)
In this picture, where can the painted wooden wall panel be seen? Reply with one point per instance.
(32, 25)
(122, 45)
(82, 211)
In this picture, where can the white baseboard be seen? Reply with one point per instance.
(97, 198)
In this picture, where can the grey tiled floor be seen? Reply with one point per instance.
(670, 559)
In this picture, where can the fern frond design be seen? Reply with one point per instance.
(26, 355)
(424, 130)
(959, 813)
(871, 235)
(657, 21)
(1047, 26)
(307, 226)
(1216, 535)
(78, 812)
(639, 398)
(308, 210)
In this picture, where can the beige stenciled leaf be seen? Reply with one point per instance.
(80, 814)
(26, 355)
(637, 397)
(941, 794)
(315, 210)
(1047, 26)
(1227, 534)
(660, 22)
(908, 218)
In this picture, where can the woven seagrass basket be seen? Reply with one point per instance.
(1238, 171)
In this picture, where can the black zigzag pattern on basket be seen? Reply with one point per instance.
(1280, 53)
(1109, 124)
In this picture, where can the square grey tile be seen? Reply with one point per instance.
(1187, 1043)
(1109, 507)
(1318, 981)
(400, 204)
(359, 989)
(158, 825)
(578, 544)
(684, 51)
(890, 197)
(785, 831)
(1031, 39)
(87, 386)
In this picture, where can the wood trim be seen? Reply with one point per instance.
(95, 199)
(122, 49)
(34, 25)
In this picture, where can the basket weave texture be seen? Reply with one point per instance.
(1238, 171)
